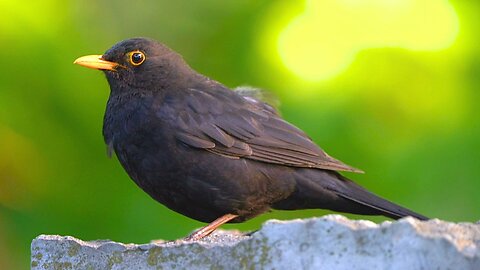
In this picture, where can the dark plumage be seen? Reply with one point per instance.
(208, 152)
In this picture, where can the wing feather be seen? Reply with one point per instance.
(223, 122)
(217, 134)
(195, 141)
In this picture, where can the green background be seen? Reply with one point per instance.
(410, 119)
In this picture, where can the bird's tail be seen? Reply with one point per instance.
(330, 190)
(363, 197)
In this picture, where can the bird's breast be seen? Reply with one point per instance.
(142, 141)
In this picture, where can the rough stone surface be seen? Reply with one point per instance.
(330, 242)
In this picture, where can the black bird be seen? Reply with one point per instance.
(210, 153)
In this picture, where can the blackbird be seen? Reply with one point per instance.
(213, 154)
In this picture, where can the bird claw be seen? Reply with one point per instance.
(210, 228)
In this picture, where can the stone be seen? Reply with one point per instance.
(330, 242)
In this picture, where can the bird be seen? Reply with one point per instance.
(214, 154)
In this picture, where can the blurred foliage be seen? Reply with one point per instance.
(407, 116)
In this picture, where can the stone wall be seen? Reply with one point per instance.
(330, 242)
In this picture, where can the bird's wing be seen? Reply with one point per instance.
(234, 126)
(266, 99)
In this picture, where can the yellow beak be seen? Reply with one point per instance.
(95, 62)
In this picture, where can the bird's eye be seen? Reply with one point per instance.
(137, 58)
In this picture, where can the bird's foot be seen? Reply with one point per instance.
(207, 230)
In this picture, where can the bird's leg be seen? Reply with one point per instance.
(205, 231)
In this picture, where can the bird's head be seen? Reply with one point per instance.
(139, 64)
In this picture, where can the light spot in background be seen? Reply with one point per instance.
(324, 40)
(31, 18)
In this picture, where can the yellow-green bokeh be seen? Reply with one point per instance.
(324, 40)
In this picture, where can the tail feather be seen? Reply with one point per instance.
(358, 194)
(330, 190)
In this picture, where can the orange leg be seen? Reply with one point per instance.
(205, 231)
